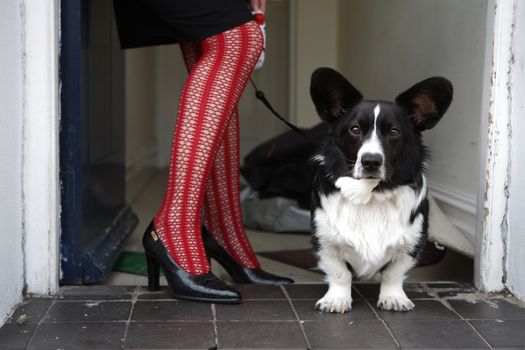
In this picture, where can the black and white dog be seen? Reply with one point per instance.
(370, 208)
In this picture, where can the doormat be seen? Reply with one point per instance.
(132, 262)
(301, 258)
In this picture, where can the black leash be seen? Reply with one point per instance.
(262, 97)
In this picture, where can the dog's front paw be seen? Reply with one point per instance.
(395, 303)
(334, 304)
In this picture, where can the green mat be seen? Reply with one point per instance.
(132, 262)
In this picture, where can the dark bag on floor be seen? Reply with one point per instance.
(281, 167)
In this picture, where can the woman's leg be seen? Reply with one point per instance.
(222, 201)
(211, 92)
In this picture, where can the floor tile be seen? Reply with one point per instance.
(261, 310)
(306, 311)
(502, 333)
(170, 335)
(339, 334)
(371, 291)
(81, 336)
(488, 309)
(444, 334)
(417, 294)
(453, 293)
(96, 292)
(253, 291)
(365, 290)
(34, 309)
(447, 285)
(171, 310)
(306, 291)
(162, 294)
(95, 318)
(424, 310)
(88, 311)
(15, 337)
(260, 335)
(447, 292)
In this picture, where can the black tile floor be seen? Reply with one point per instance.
(447, 316)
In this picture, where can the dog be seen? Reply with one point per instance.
(369, 201)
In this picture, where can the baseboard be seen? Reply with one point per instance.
(465, 205)
(451, 196)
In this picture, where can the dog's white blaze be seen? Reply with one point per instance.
(372, 145)
(376, 113)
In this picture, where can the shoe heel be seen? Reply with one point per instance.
(153, 273)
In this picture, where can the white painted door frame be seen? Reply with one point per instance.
(40, 174)
(503, 101)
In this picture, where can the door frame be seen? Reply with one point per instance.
(40, 176)
(95, 219)
(496, 264)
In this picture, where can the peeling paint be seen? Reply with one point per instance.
(492, 266)
(510, 92)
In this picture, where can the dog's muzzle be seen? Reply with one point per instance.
(371, 166)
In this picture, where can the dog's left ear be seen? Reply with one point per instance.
(332, 94)
(427, 101)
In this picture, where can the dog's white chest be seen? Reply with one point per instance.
(369, 234)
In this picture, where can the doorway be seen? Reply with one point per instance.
(127, 165)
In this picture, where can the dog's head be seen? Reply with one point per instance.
(379, 139)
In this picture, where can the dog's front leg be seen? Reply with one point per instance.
(392, 296)
(338, 298)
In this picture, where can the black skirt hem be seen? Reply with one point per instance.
(138, 26)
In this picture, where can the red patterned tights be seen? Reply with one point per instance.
(204, 162)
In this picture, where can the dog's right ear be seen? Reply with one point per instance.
(332, 94)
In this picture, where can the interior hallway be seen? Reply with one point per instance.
(145, 190)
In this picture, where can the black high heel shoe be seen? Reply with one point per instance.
(239, 274)
(182, 284)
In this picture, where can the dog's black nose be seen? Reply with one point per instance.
(371, 161)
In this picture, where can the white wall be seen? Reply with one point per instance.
(29, 176)
(386, 46)
(256, 123)
(315, 34)
(170, 74)
(11, 116)
(141, 141)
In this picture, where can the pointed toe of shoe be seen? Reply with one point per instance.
(259, 276)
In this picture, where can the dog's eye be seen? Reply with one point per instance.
(393, 132)
(355, 130)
